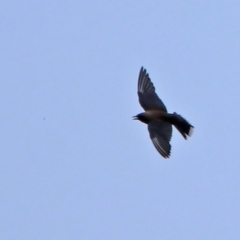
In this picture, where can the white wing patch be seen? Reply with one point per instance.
(144, 83)
(158, 146)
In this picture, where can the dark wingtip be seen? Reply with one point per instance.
(142, 69)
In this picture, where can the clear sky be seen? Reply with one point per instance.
(73, 164)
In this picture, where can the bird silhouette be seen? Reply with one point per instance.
(157, 118)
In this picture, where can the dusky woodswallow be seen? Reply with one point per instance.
(157, 118)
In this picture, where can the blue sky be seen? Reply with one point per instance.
(73, 163)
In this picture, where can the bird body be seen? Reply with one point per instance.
(157, 118)
(150, 115)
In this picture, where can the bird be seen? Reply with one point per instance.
(157, 118)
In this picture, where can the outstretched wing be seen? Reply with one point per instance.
(160, 134)
(146, 93)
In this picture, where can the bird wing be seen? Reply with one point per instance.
(146, 93)
(160, 134)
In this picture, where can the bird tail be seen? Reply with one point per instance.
(182, 125)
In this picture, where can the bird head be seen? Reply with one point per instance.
(141, 117)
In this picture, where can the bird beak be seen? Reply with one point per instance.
(135, 118)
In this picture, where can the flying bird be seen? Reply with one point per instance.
(157, 118)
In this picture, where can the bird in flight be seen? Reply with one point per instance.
(157, 118)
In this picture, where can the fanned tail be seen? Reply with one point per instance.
(182, 125)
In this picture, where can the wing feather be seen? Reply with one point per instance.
(146, 93)
(160, 134)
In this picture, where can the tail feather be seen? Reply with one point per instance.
(182, 125)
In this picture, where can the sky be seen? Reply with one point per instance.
(73, 163)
